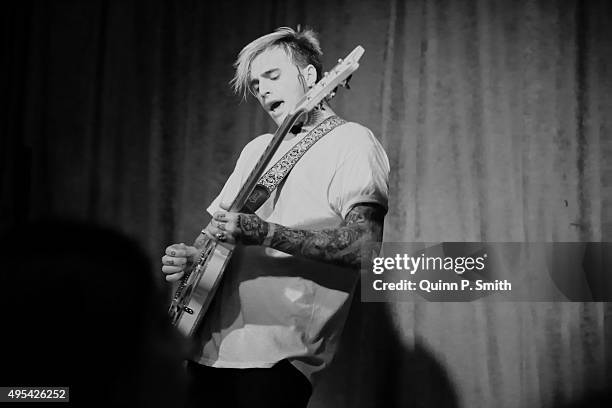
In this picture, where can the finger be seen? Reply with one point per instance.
(226, 205)
(209, 233)
(218, 225)
(175, 277)
(210, 225)
(177, 250)
(225, 237)
(214, 230)
(220, 236)
(171, 260)
(167, 269)
(220, 216)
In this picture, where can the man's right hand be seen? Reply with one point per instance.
(178, 257)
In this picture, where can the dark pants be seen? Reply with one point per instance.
(279, 386)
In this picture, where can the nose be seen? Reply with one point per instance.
(264, 88)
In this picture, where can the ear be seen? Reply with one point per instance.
(310, 74)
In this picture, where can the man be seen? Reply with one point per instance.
(278, 314)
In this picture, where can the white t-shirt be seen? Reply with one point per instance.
(271, 305)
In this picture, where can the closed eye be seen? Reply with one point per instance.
(272, 74)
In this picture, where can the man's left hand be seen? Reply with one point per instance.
(233, 227)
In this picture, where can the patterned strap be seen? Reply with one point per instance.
(272, 178)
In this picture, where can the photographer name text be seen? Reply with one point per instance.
(422, 264)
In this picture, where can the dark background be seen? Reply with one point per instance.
(495, 116)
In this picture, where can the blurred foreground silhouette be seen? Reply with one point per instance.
(80, 308)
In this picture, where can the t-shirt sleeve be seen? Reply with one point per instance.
(362, 175)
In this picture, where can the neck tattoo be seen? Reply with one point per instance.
(311, 119)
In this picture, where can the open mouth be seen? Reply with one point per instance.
(275, 105)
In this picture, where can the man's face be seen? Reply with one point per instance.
(274, 82)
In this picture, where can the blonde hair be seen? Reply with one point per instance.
(302, 46)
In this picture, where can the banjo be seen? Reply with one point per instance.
(198, 285)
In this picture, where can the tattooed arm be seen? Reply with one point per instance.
(341, 245)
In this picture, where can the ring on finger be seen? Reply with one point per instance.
(220, 236)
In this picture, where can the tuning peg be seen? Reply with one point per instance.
(339, 60)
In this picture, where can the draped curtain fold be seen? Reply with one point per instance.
(496, 117)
